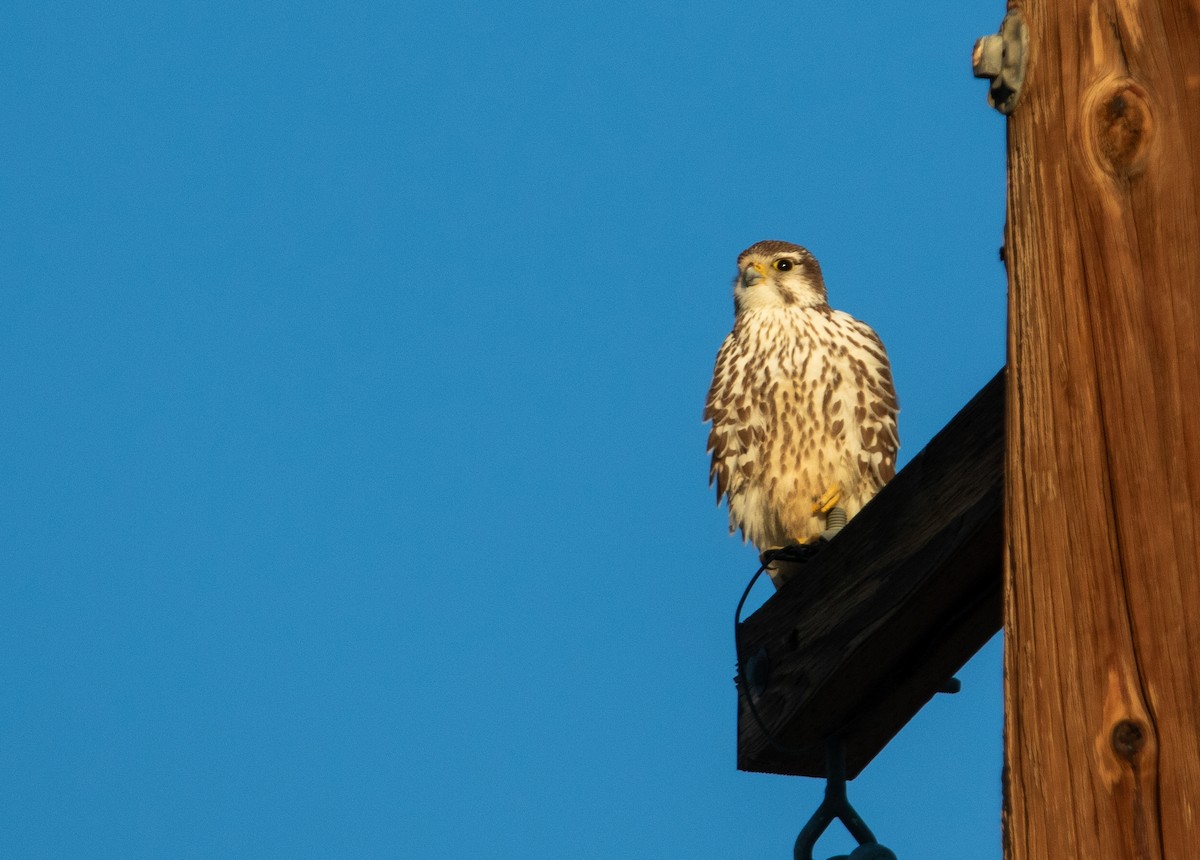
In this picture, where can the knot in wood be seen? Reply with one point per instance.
(1128, 739)
(1121, 127)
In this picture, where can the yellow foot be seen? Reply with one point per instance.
(826, 503)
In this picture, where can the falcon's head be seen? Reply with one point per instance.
(775, 274)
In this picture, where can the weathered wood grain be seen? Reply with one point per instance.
(1102, 589)
(885, 614)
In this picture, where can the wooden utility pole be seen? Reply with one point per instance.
(1102, 588)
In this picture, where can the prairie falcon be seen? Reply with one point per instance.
(802, 404)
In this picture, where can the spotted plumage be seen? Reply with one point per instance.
(802, 404)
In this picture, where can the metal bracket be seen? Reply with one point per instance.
(837, 805)
(1003, 59)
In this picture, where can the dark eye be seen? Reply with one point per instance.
(783, 265)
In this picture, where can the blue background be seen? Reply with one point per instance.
(352, 358)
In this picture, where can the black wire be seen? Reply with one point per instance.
(767, 558)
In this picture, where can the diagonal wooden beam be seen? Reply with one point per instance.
(881, 618)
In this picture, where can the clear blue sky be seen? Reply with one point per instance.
(353, 356)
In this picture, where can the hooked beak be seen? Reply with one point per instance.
(753, 274)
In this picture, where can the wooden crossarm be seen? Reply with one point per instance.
(885, 614)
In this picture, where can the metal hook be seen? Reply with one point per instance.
(837, 805)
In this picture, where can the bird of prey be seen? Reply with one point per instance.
(802, 405)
